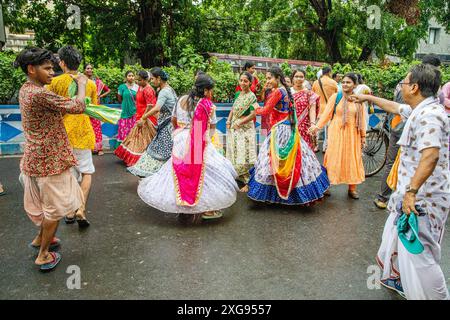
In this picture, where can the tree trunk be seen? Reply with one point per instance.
(323, 9)
(331, 42)
(149, 33)
(365, 54)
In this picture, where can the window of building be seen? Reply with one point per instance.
(433, 37)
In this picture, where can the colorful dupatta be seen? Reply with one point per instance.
(286, 161)
(99, 112)
(243, 102)
(189, 170)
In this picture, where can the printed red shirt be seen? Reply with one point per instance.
(47, 149)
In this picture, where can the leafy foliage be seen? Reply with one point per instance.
(381, 78)
(10, 79)
(170, 32)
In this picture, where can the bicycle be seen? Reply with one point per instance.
(375, 152)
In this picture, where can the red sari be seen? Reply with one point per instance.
(136, 142)
(145, 97)
(304, 100)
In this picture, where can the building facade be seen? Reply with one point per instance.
(262, 64)
(18, 42)
(437, 42)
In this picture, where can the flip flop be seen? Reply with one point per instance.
(51, 265)
(216, 215)
(53, 245)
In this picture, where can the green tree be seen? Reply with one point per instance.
(158, 31)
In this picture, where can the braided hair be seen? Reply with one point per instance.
(204, 81)
(277, 72)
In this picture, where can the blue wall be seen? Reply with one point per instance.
(12, 139)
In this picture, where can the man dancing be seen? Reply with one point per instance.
(50, 191)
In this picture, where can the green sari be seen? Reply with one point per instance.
(241, 142)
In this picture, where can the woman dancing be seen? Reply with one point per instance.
(287, 170)
(159, 150)
(197, 181)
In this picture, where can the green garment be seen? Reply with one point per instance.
(128, 101)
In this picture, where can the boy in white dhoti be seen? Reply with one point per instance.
(423, 183)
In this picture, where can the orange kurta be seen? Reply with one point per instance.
(343, 158)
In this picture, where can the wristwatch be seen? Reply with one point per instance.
(411, 190)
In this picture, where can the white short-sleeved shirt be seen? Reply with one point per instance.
(429, 129)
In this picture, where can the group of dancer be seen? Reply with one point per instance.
(178, 135)
(171, 146)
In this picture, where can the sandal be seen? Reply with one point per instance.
(53, 245)
(215, 215)
(51, 265)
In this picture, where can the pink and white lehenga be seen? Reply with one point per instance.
(197, 178)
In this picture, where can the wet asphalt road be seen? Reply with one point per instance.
(257, 251)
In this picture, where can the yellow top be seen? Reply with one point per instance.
(78, 126)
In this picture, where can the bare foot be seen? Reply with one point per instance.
(244, 189)
(100, 153)
(37, 241)
(40, 260)
(70, 216)
(80, 215)
(190, 218)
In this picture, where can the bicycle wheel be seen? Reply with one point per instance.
(375, 151)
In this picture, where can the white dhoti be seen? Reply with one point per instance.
(420, 274)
